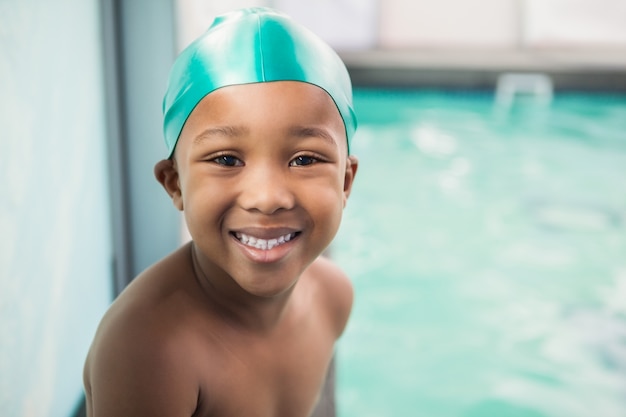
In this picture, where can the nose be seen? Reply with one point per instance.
(266, 189)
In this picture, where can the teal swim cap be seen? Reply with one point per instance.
(253, 45)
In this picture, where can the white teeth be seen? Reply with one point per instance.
(263, 244)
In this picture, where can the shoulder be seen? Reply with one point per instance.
(336, 289)
(134, 368)
(138, 363)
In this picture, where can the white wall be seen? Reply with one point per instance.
(437, 24)
(448, 23)
(193, 17)
(344, 24)
(55, 279)
(575, 23)
(502, 23)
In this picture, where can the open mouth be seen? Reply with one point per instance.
(264, 244)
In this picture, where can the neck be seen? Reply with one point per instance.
(238, 307)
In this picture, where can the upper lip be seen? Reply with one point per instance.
(266, 232)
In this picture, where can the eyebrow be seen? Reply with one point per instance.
(220, 131)
(236, 131)
(312, 131)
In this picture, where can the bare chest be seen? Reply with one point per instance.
(265, 377)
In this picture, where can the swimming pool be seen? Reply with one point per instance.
(487, 247)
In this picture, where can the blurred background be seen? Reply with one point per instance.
(486, 235)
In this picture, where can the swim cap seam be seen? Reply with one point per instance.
(258, 22)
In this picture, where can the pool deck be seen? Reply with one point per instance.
(588, 70)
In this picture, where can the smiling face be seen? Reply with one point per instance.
(262, 174)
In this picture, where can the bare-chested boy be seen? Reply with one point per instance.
(242, 321)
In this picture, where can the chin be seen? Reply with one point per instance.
(271, 291)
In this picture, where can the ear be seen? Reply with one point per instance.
(351, 167)
(166, 172)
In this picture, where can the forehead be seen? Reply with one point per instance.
(279, 102)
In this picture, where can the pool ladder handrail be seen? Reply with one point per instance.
(511, 85)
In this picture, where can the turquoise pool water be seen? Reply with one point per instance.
(487, 247)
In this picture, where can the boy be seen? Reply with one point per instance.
(241, 321)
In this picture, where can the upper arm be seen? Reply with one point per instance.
(136, 373)
(337, 289)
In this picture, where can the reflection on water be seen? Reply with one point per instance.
(488, 253)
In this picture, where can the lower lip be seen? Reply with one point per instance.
(266, 256)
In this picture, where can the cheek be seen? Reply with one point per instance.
(204, 201)
(326, 204)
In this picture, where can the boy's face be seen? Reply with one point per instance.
(262, 174)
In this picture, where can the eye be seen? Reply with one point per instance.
(228, 161)
(303, 160)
